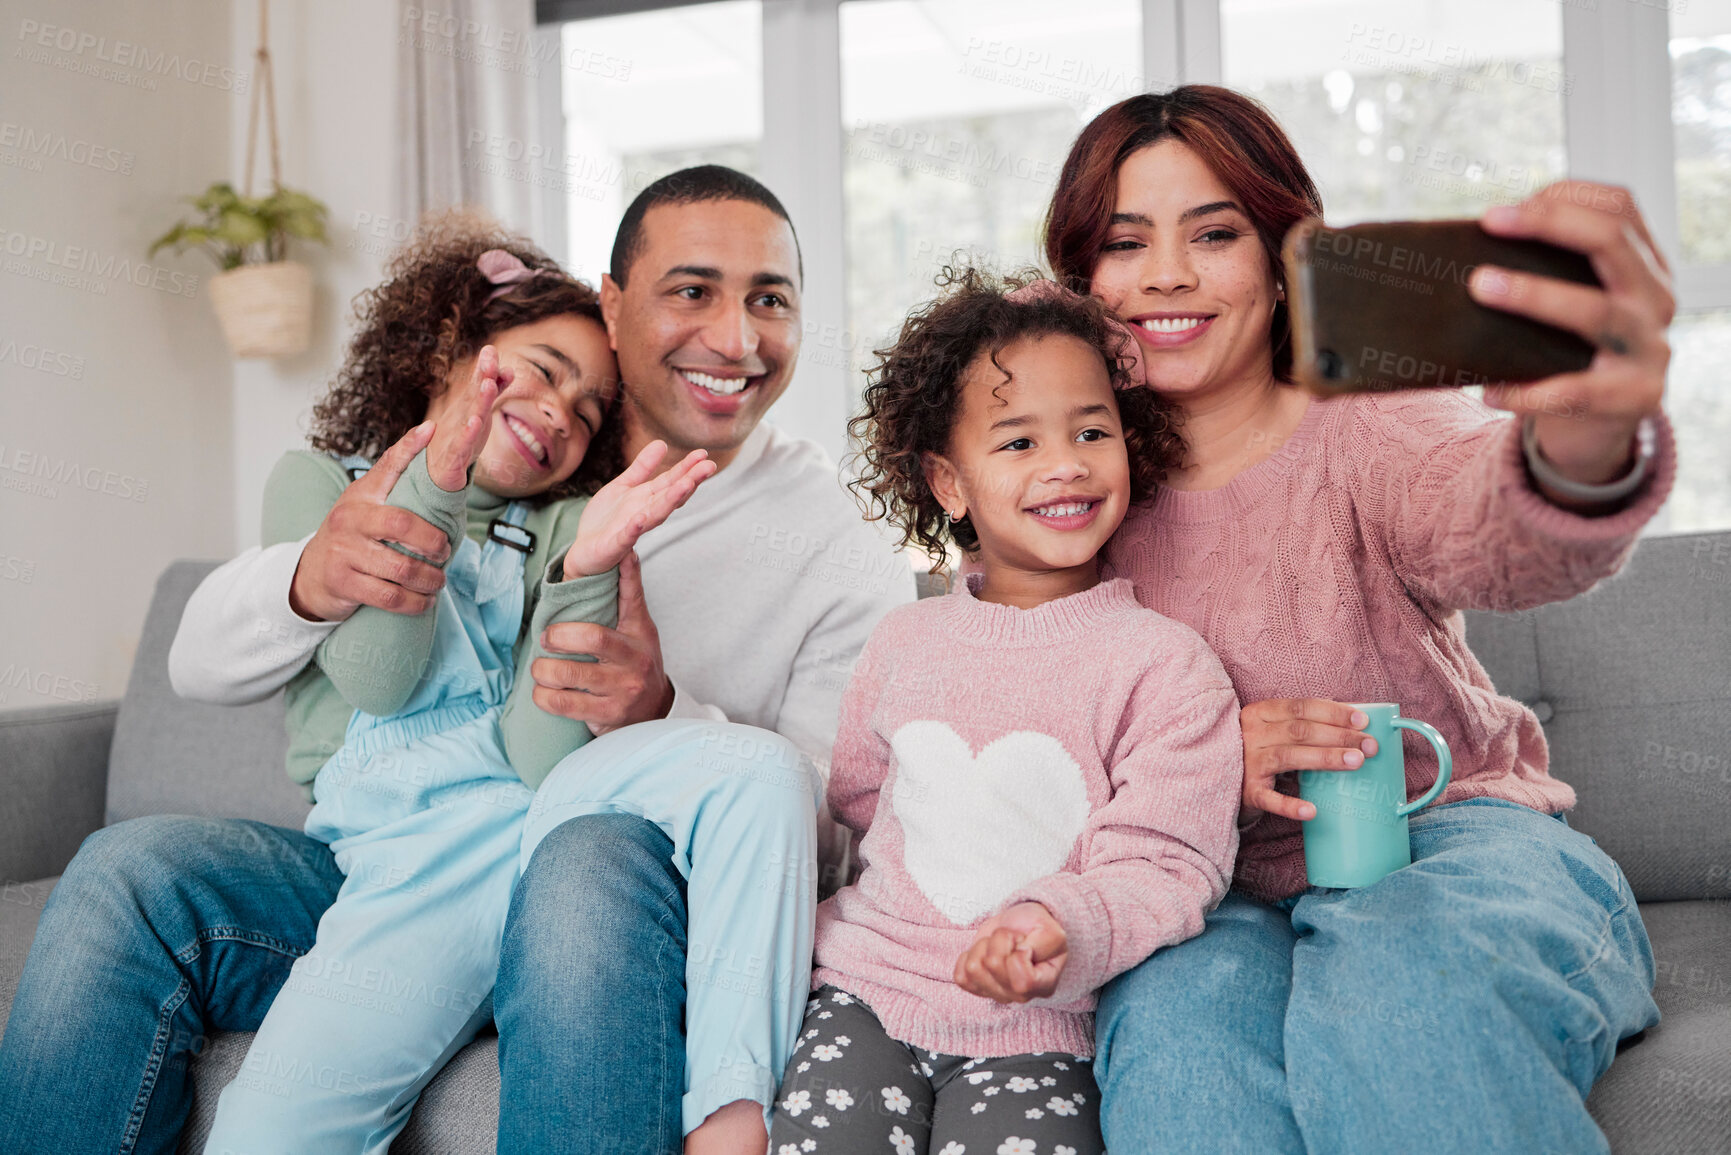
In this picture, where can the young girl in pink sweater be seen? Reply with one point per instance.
(1046, 774)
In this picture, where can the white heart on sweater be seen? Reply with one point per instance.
(976, 828)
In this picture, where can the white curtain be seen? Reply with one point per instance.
(468, 111)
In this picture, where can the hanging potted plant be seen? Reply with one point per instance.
(263, 300)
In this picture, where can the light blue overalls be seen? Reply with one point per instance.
(427, 819)
(425, 816)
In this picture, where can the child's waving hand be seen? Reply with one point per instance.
(631, 505)
(459, 436)
(1017, 955)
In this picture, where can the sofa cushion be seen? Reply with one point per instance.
(172, 756)
(1633, 683)
(458, 1114)
(54, 760)
(1670, 1093)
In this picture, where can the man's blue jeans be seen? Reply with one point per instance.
(1464, 1004)
(166, 930)
(590, 1001)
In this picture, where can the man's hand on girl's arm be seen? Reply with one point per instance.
(347, 564)
(626, 683)
(1018, 954)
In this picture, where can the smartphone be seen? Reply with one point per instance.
(1385, 306)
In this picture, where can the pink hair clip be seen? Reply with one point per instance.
(505, 270)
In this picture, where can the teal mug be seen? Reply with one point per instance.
(1359, 835)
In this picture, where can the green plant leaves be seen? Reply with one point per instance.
(234, 230)
(241, 227)
(296, 214)
(217, 198)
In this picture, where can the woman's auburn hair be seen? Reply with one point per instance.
(430, 315)
(1234, 135)
(913, 395)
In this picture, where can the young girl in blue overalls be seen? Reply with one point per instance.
(422, 805)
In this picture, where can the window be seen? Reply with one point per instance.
(649, 94)
(1696, 395)
(1701, 125)
(1408, 109)
(956, 117)
(906, 133)
(1699, 404)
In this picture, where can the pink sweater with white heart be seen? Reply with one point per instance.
(1084, 754)
(1338, 569)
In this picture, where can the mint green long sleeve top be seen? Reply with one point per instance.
(373, 660)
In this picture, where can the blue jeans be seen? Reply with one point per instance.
(590, 1000)
(165, 930)
(161, 932)
(1463, 1004)
(740, 807)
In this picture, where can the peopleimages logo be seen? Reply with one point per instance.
(99, 50)
(46, 684)
(44, 471)
(41, 358)
(37, 144)
(86, 268)
(514, 49)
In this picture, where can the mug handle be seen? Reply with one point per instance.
(1445, 763)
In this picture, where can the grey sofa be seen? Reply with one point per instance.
(1632, 681)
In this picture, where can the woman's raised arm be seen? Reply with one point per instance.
(1586, 422)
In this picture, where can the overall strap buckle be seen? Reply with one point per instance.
(353, 464)
(514, 536)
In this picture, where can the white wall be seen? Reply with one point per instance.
(335, 66)
(138, 439)
(114, 445)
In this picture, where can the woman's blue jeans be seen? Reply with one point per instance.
(166, 930)
(1464, 1004)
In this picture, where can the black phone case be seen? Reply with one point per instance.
(1385, 306)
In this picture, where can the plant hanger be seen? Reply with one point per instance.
(263, 82)
(263, 299)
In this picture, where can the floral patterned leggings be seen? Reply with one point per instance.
(850, 1087)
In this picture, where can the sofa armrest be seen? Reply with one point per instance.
(53, 782)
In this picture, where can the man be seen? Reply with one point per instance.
(766, 583)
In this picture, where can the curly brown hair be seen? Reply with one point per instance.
(913, 395)
(431, 313)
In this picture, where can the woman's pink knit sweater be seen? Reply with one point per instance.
(1338, 569)
(1084, 754)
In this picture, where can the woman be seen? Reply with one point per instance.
(1324, 548)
